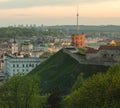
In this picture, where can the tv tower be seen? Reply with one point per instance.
(77, 20)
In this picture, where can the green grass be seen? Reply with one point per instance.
(60, 70)
(81, 51)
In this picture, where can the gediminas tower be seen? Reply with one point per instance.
(78, 40)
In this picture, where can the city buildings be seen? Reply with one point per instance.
(21, 59)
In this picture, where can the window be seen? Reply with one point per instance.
(32, 65)
(17, 65)
(104, 55)
(13, 65)
(23, 65)
(26, 65)
(112, 55)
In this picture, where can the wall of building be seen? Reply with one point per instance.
(14, 48)
(109, 55)
(92, 56)
(27, 47)
(78, 40)
(83, 60)
(14, 65)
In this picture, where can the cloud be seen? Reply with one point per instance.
(5, 4)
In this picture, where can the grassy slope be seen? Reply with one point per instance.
(61, 71)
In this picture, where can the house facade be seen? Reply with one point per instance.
(13, 64)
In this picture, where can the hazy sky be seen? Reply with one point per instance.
(59, 12)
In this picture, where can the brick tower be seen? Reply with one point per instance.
(78, 40)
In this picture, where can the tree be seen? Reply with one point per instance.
(98, 91)
(54, 99)
(78, 82)
(19, 92)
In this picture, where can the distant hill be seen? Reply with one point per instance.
(88, 28)
(61, 71)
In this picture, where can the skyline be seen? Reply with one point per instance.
(59, 12)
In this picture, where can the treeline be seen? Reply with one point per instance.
(99, 91)
(18, 92)
(17, 31)
(102, 90)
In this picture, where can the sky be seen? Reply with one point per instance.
(59, 12)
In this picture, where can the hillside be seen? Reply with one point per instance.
(61, 71)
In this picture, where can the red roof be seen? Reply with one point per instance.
(91, 50)
(105, 47)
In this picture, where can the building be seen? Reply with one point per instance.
(108, 53)
(1, 64)
(27, 46)
(2, 76)
(78, 40)
(14, 64)
(14, 47)
(5, 47)
(92, 54)
(72, 49)
(36, 53)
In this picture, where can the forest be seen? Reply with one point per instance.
(102, 90)
(10, 32)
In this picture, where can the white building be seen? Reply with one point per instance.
(14, 47)
(27, 46)
(13, 64)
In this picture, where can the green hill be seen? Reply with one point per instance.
(60, 70)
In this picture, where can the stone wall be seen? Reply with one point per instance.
(82, 59)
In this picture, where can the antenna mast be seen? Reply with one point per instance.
(77, 19)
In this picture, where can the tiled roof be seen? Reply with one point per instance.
(91, 50)
(107, 47)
